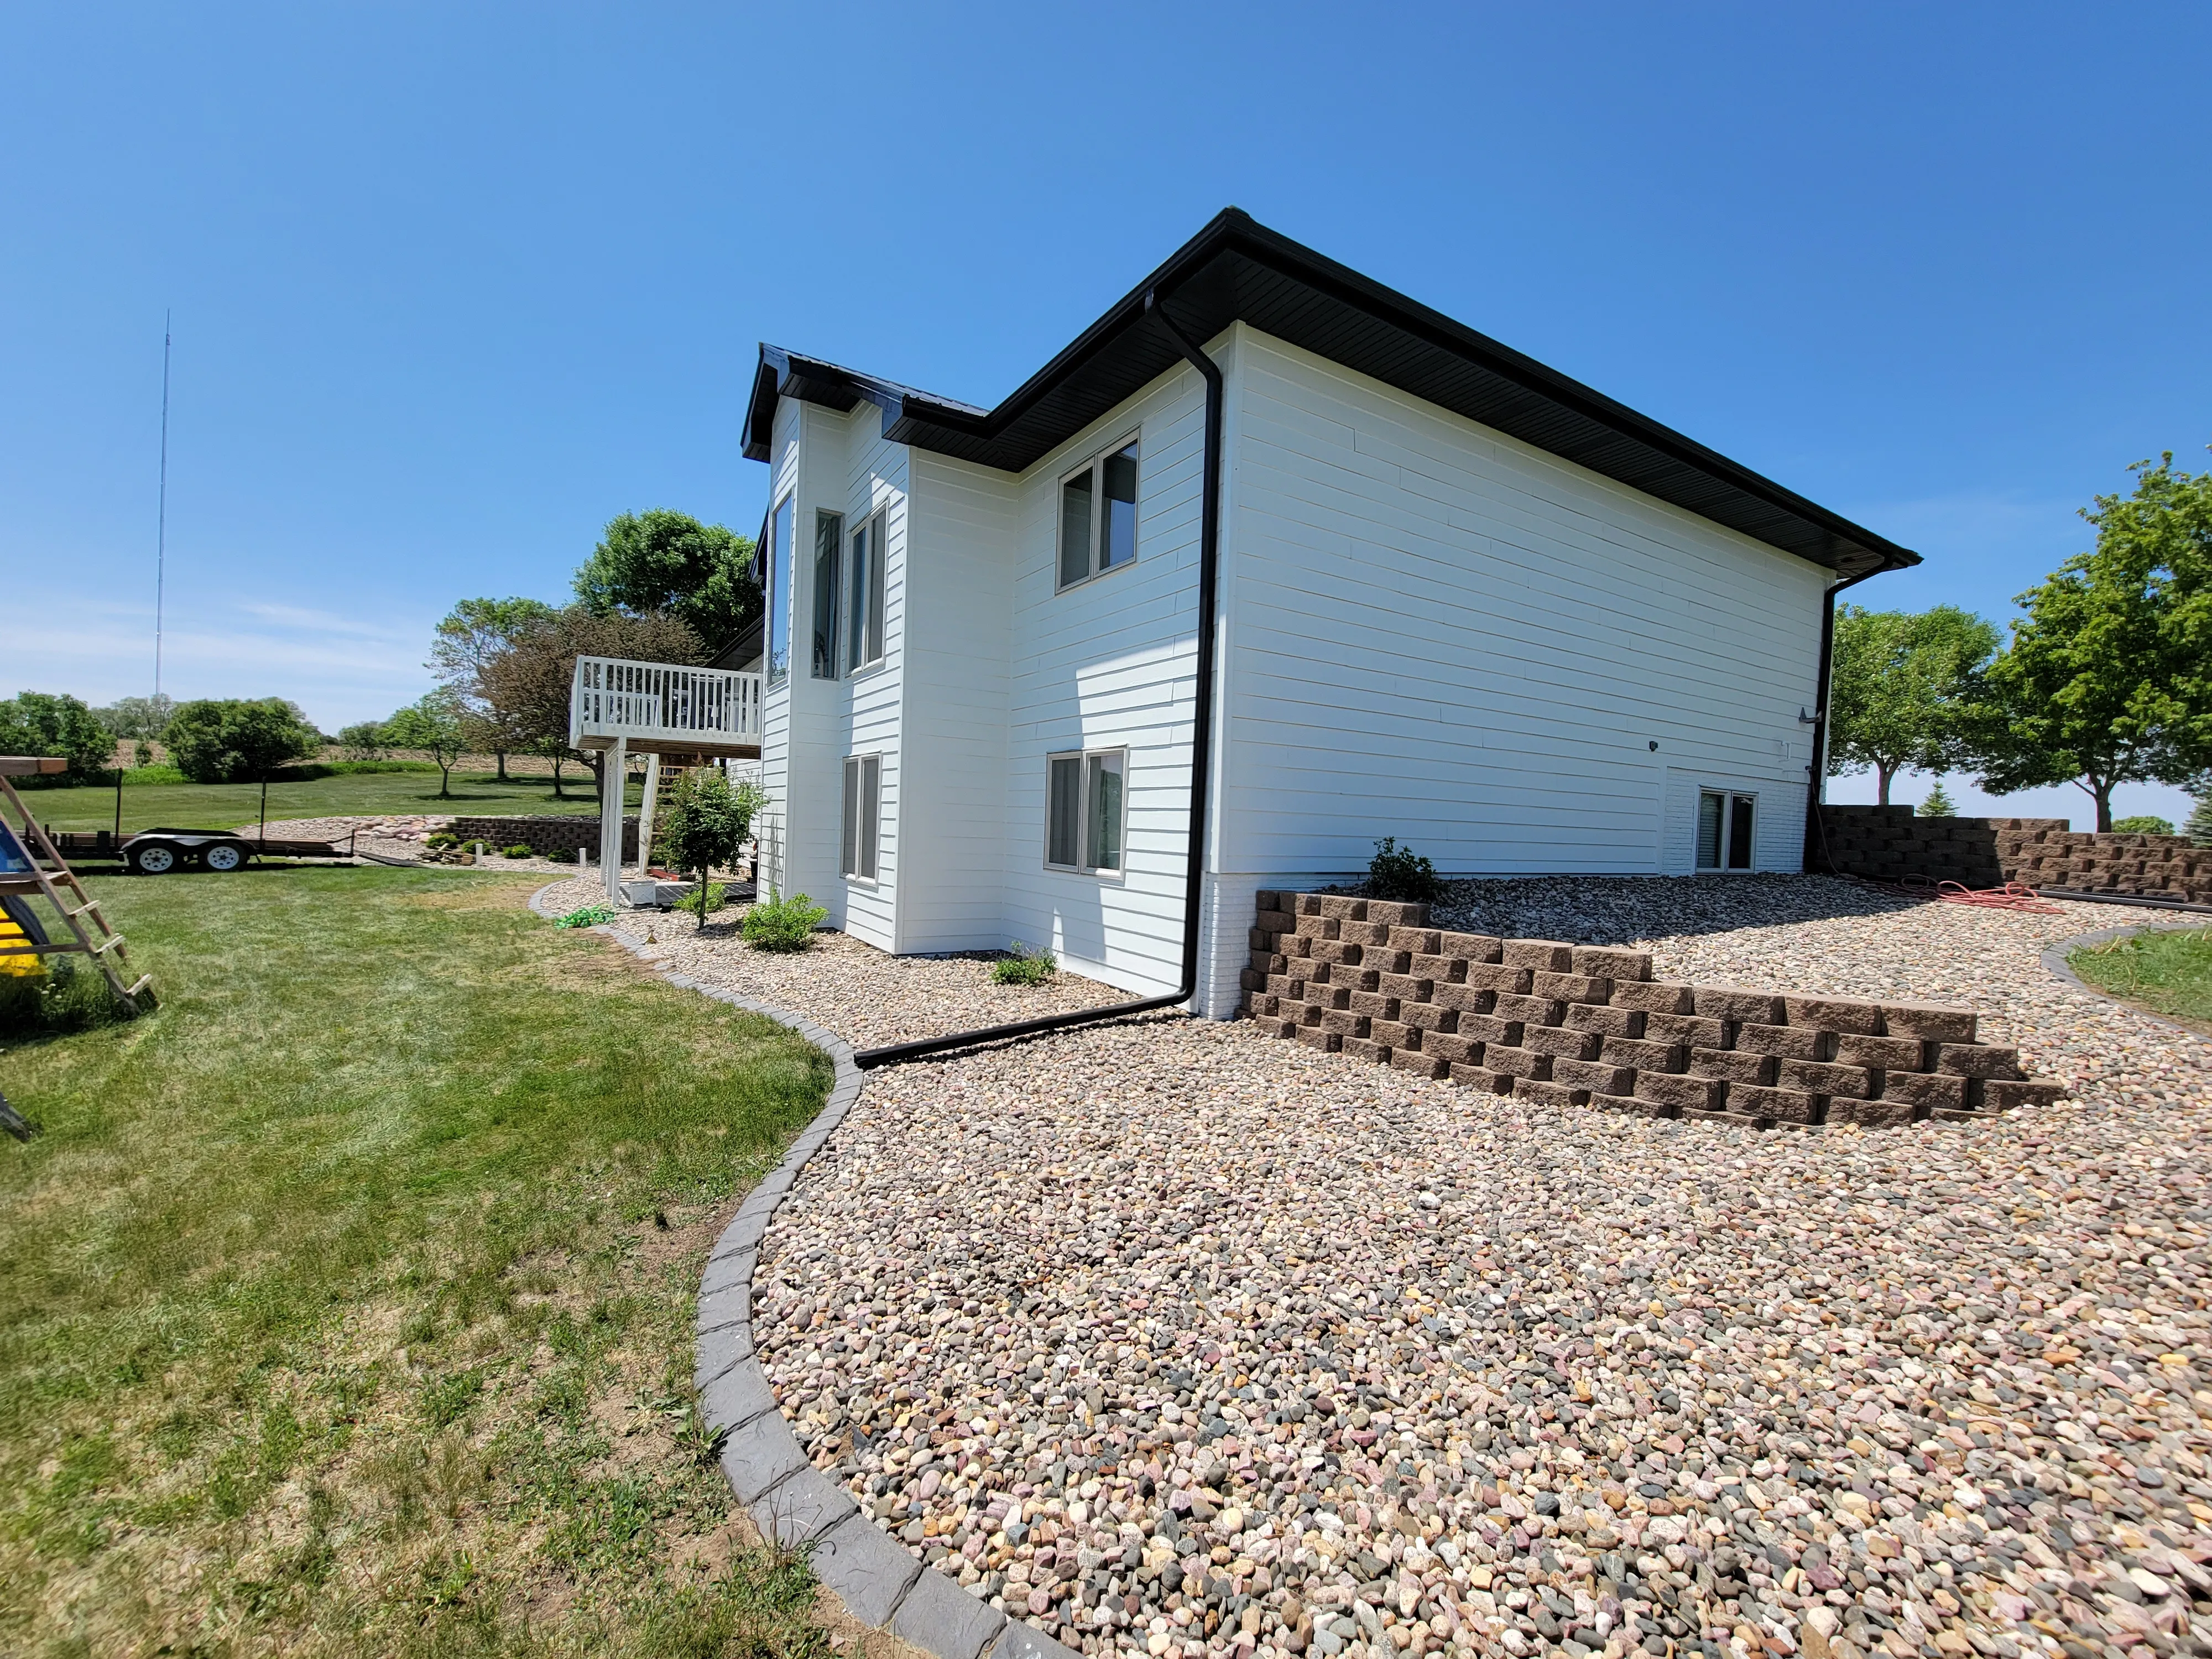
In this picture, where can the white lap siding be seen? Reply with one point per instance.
(1110, 664)
(1440, 634)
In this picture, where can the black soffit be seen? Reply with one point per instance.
(1236, 269)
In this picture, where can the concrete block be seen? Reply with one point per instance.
(1642, 1054)
(1560, 1042)
(1605, 1021)
(1934, 1021)
(1732, 1065)
(1653, 997)
(802, 1507)
(1313, 1037)
(1926, 1088)
(1543, 1091)
(938, 1616)
(759, 1454)
(2003, 1094)
(1488, 1028)
(1737, 1002)
(1428, 1017)
(1691, 1030)
(1571, 987)
(1393, 1035)
(1480, 1079)
(1594, 1076)
(1440, 968)
(1816, 1077)
(1607, 961)
(1529, 1010)
(1450, 1046)
(1870, 1114)
(1683, 1093)
(1784, 1041)
(866, 1570)
(1421, 941)
(1374, 1004)
(1398, 913)
(737, 1395)
(1465, 999)
(1783, 1105)
(1375, 1053)
(1518, 1062)
(1881, 1054)
(1471, 947)
(1539, 954)
(1833, 1014)
(1405, 987)
(1419, 1062)
(1977, 1060)
(1499, 976)
(1021, 1641)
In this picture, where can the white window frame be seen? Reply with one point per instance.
(1096, 466)
(1116, 758)
(868, 610)
(860, 838)
(779, 595)
(1726, 848)
(832, 600)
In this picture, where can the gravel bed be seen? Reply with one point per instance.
(1172, 1338)
(393, 837)
(864, 995)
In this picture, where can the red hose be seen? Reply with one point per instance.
(2010, 897)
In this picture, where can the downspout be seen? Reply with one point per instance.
(1201, 759)
(1819, 766)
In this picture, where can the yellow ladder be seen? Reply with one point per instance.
(51, 878)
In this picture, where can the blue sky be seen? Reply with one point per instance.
(453, 285)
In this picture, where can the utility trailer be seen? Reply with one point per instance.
(158, 852)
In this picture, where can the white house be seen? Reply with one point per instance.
(1459, 599)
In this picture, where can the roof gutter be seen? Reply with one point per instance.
(1818, 769)
(1201, 757)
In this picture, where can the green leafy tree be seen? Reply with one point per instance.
(2143, 823)
(2109, 677)
(665, 560)
(139, 719)
(363, 741)
(432, 724)
(1900, 684)
(473, 632)
(528, 680)
(238, 740)
(1939, 804)
(705, 822)
(45, 723)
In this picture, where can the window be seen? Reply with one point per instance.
(780, 527)
(1724, 831)
(1098, 516)
(864, 605)
(1084, 810)
(829, 537)
(863, 789)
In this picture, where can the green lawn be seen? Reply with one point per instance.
(348, 1298)
(2170, 971)
(224, 805)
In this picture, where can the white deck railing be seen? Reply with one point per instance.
(658, 702)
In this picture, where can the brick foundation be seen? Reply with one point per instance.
(545, 836)
(1888, 842)
(1548, 1021)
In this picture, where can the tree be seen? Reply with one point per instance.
(140, 720)
(2199, 827)
(44, 723)
(1938, 803)
(665, 560)
(433, 725)
(705, 822)
(363, 741)
(472, 632)
(1900, 685)
(2143, 823)
(528, 680)
(237, 740)
(2109, 677)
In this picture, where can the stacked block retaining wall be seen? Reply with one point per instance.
(1566, 1023)
(1885, 842)
(546, 835)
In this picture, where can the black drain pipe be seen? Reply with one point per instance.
(1818, 769)
(1201, 759)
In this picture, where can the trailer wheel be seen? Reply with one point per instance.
(224, 855)
(153, 857)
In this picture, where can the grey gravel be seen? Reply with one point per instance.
(1167, 1337)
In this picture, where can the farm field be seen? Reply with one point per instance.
(350, 1294)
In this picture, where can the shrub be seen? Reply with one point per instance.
(782, 924)
(717, 895)
(235, 740)
(590, 916)
(520, 850)
(363, 741)
(439, 841)
(706, 824)
(1024, 967)
(1401, 873)
(2144, 824)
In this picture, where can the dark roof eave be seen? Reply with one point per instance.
(1236, 268)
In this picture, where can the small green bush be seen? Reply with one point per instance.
(718, 895)
(590, 916)
(782, 924)
(2144, 824)
(1024, 967)
(1401, 873)
(439, 841)
(137, 777)
(520, 850)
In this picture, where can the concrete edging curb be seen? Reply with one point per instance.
(880, 1582)
(2054, 959)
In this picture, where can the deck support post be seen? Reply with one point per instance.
(645, 814)
(612, 771)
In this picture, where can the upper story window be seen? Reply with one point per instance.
(1099, 515)
(829, 538)
(864, 598)
(779, 531)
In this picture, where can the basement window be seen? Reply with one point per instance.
(864, 794)
(1724, 831)
(1099, 515)
(1084, 810)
